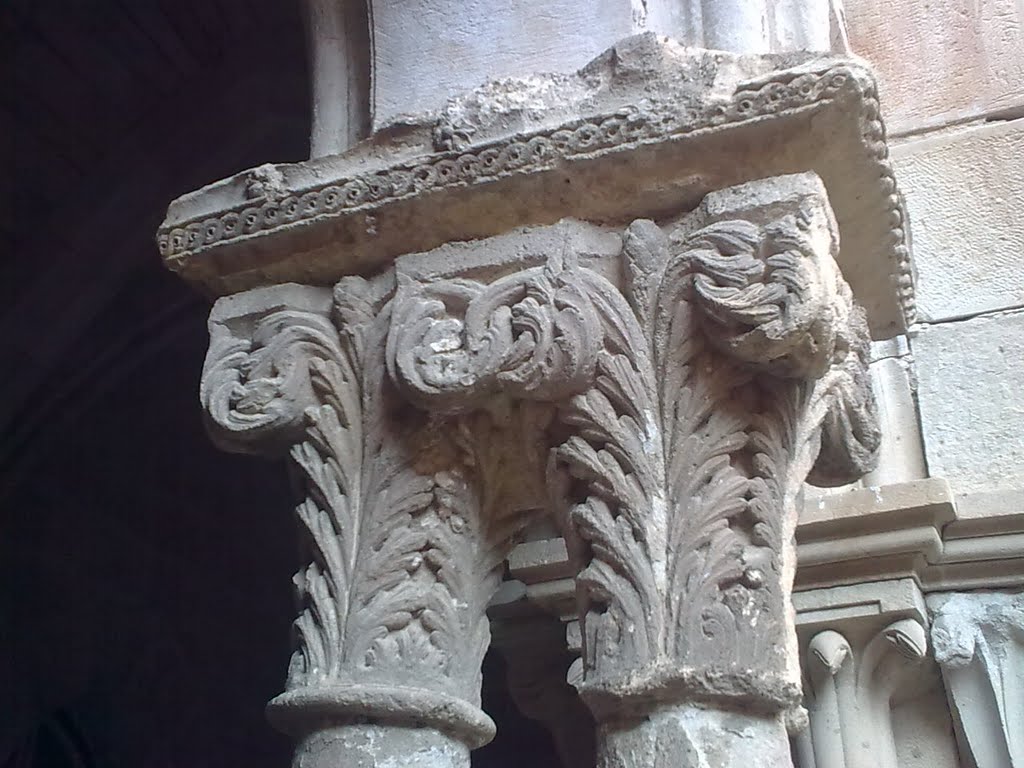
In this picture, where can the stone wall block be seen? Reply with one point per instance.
(963, 193)
(941, 62)
(972, 402)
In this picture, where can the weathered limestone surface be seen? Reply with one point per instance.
(941, 62)
(677, 500)
(405, 527)
(646, 130)
(625, 301)
(902, 454)
(972, 402)
(979, 644)
(662, 393)
(967, 262)
(458, 45)
(872, 533)
(865, 647)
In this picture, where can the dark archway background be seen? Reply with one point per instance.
(145, 598)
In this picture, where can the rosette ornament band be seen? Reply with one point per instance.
(692, 400)
(403, 520)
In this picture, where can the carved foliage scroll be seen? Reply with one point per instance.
(558, 332)
(691, 406)
(403, 556)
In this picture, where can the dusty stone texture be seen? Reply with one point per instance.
(459, 45)
(376, 746)
(979, 644)
(941, 62)
(902, 454)
(872, 533)
(967, 261)
(971, 401)
(645, 130)
(404, 548)
(863, 650)
(524, 342)
(690, 736)
(901, 457)
(989, 511)
(922, 726)
(678, 503)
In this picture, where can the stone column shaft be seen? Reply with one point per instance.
(661, 388)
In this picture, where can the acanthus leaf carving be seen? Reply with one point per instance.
(690, 409)
(402, 522)
(454, 344)
(560, 333)
(256, 381)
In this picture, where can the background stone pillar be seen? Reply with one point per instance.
(979, 644)
(375, 67)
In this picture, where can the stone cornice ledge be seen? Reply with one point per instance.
(916, 531)
(647, 129)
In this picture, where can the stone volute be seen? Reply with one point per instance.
(636, 300)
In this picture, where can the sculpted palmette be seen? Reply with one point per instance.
(406, 520)
(690, 408)
(673, 418)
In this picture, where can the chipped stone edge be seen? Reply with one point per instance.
(299, 711)
(776, 95)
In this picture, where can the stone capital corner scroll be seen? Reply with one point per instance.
(690, 408)
(626, 308)
(401, 520)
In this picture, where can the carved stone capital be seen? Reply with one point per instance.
(405, 517)
(864, 651)
(690, 406)
(665, 401)
(270, 349)
(979, 645)
(850, 692)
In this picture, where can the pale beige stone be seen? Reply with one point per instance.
(979, 643)
(867, 677)
(972, 402)
(646, 364)
(988, 511)
(620, 299)
(941, 62)
(646, 130)
(968, 259)
(360, 62)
